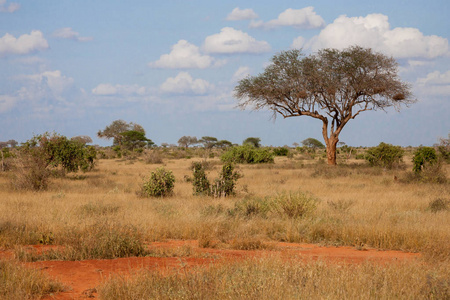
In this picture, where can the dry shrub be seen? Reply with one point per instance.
(154, 157)
(99, 241)
(30, 173)
(18, 282)
(438, 204)
(250, 244)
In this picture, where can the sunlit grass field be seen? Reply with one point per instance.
(354, 205)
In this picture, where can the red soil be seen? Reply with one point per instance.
(82, 277)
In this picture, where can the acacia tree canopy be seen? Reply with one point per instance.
(115, 130)
(186, 141)
(331, 85)
(313, 143)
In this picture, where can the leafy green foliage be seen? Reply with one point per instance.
(247, 154)
(200, 182)
(56, 150)
(39, 156)
(282, 151)
(116, 128)
(385, 155)
(423, 157)
(159, 184)
(133, 139)
(225, 184)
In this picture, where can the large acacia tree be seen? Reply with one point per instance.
(331, 85)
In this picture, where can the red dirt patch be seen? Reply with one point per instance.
(82, 277)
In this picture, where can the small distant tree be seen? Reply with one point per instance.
(208, 142)
(313, 144)
(83, 139)
(253, 141)
(115, 130)
(223, 144)
(186, 141)
(12, 143)
(133, 139)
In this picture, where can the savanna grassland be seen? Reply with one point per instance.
(102, 215)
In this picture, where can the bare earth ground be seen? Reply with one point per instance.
(82, 277)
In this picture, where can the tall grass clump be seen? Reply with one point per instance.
(267, 278)
(99, 241)
(290, 205)
(18, 282)
(159, 184)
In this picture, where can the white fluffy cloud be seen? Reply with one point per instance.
(24, 44)
(241, 73)
(183, 83)
(46, 84)
(106, 89)
(230, 40)
(241, 14)
(184, 55)
(305, 18)
(8, 7)
(435, 83)
(374, 31)
(69, 33)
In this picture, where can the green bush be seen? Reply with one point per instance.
(225, 184)
(282, 151)
(423, 157)
(385, 155)
(57, 150)
(247, 154)
(200, 182)
(159, 184)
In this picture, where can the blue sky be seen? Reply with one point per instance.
(75, 66)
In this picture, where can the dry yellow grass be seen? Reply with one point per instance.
(357, 206)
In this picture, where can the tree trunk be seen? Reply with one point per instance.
(331, 150)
